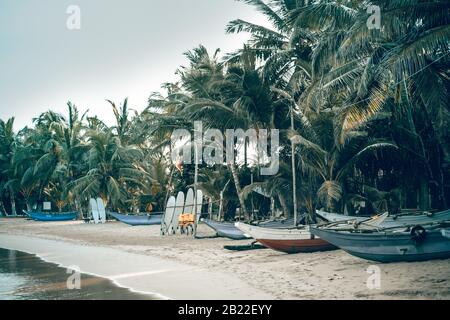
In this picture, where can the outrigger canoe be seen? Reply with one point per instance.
(49, 217)
(226, 230)
(393, 221)
(298, 240)
(394, 245)
(277, 224)
(134, 220)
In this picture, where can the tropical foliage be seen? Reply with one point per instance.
(370, 129)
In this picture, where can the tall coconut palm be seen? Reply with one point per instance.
(62, 161)
(8, 144)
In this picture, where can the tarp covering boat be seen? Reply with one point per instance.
(48, 217)
(134, 220)
(397, 245)
(278, 224)
(226, 230)
(393, 221)
(294, 240)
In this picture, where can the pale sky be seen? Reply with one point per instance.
(125, 48)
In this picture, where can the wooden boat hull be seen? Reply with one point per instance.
(52, 217)
(393, 221)
(226, 230)
(389, 247)
(298, 246)
(138, 220)
(286, 240)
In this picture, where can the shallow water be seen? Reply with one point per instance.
(27, 277)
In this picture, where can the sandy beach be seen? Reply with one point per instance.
(184, 268)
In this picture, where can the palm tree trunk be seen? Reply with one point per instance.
(222, 194)
(27, 203)
(79, 208)
(13, 203)
(284, 206)
(221, 206)
(424, 195)
(168, 186)
(238, 189)
(2, 208)
(210, 207)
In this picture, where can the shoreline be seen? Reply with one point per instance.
(133, 277)
(82, 271)
(138, 259)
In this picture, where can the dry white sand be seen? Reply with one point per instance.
(184, 268)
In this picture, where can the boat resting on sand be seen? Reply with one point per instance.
(226, 230)
(418, 243)
(51, 217)
(298, 240)
(133, 220)
(277, 224)
(393, 221)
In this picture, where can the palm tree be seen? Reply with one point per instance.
(8, 144)
(406, 60)
(214, 183)
(123, 123)
(112, 169)
(64, 149)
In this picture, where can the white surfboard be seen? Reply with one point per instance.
(168, 215)
(199, 205)
(189, 208)
(101, 210)
(94, 210)
(179, 207)
(189, 202)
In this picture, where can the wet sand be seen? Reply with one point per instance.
(184, 268)
(26, 277)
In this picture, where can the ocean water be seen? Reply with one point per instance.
(27, 277)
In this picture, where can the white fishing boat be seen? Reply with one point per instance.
(286, 240)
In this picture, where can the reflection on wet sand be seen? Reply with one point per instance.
(26, 277)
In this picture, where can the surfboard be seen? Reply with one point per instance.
(101, 210)
(95, 211)
(199, 205)
(189, 203)
(178, 211)
(168, 215)
(189, 209)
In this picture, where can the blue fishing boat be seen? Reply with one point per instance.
(51, 217)
(226, 230)
(418, 243)
(392, 221)
(134, 220)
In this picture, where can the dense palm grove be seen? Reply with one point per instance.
(371, 117)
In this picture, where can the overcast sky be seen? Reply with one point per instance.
(125, 48)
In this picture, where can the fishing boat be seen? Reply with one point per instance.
(277, 224)
(335, 217)
(394, 221)
(418, 243)
(49, 217)
(226, 230)
(134, 220)
(294, 240)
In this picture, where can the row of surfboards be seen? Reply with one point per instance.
(177, 206)
(98, 210)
